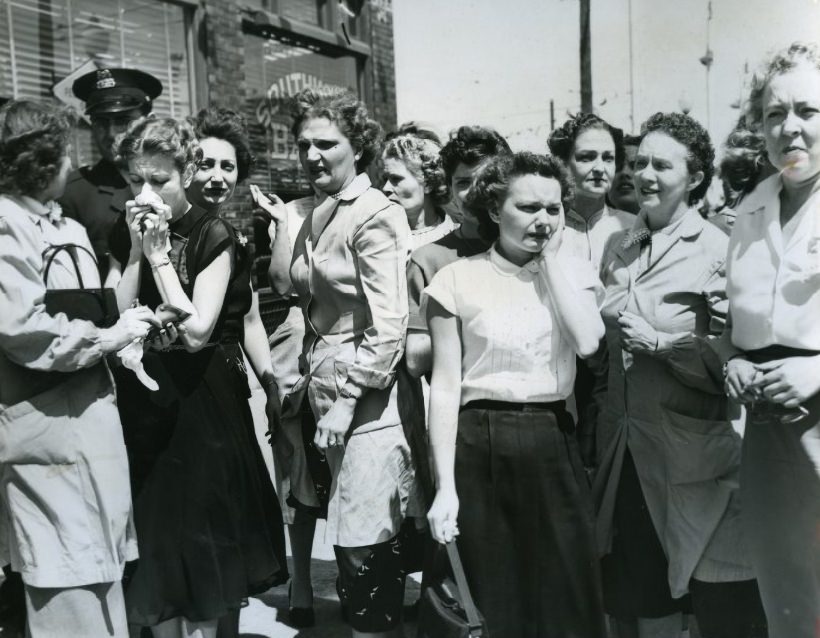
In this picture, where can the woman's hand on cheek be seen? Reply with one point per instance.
(553, 244)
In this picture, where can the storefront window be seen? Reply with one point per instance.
(274, 73)
(42, 41)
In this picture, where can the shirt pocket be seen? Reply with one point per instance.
(699, 449)
(39, 431)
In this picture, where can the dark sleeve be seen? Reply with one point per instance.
(119, 241)
(215, 237)
(416, 282)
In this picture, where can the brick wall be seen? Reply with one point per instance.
(222, 43)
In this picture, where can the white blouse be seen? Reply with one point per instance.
(773, 282)
(512, 349)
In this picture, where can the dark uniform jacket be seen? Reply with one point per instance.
(95, 196)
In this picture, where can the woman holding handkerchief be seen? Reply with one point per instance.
(208, 530)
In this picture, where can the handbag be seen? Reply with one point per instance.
(97, 305)
(447, 609)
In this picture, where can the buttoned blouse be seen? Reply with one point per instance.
(349, 270)
(512, 347)
(33, 344)
(774, 281)
(588, 238)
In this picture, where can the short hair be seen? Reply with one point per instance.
(160, 136)
(783, 61)
(700, 154)
(492, 183)
(471, 145)
(230, 126)
(561, 141)
(418, 128)
(744, 158)
(632, 140)
(346, 111)
(34, 139)
(422, 158)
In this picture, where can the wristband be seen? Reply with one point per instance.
(165, 262)
(345, 393)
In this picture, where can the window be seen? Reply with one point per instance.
(42, 41)
(275, 72)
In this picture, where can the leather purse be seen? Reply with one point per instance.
(97, 305)
(447, 609)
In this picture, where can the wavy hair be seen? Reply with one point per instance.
(561, 141)
(346, 111)
(783, 61)
(34, 139)
(422, 158)
(471, 145)
(160, 136)
(230, 126)
(493, 180)
(700, 154)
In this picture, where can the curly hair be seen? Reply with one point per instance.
(230, 126)
(160, 136)
(743, 160)
(346, 111)
(561, 141)
(422, 158)
(471, 145)
(783, 61)
(34, 139)
(418, 128)
(700, 154)
(493, 181)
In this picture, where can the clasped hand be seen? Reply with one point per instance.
(636, 333)
(787, 382)
(148, 227)
(332, 427)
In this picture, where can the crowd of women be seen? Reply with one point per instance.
(540, 357)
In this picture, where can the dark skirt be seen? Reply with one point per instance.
(636, 571)
(525, 518)
(209, 527)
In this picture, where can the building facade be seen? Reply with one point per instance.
(248, 55)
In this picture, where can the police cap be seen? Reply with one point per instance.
(116, 90)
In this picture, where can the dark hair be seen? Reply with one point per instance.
(230, 126)
(421, 157)
(493, 181)
(700, 154)
(743, 160)
(471, 145)
(783, 61)
(346, 111)
(418, 128)
(632, 140)
(34, 138)
(160, 136)
(562, 140)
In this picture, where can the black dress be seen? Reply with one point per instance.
(208, 522)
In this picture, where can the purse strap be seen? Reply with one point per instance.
(55, 249)
(473, 620)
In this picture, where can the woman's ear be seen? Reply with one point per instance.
(493, 213)
(695, 180)
(358, 155)
(188, 176)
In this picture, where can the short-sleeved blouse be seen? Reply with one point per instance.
(512, 347)
(197, 238)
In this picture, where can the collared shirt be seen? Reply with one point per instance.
(33, 342)
(588, 238)
(512, 347)
(774, 281)
(427, 235)
(349, 270)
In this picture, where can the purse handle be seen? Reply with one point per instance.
(473, 620)
(55, 249)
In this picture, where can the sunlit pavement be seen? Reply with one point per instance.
(266, 615)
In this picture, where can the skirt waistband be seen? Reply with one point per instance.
(509, 406)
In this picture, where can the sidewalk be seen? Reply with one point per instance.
(265, 615)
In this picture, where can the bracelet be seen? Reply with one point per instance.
(165, 262)
(345, 393)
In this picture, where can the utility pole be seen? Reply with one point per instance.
(552, 115)
(631, 76)
(586, 59)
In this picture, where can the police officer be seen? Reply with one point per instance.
(95, 195)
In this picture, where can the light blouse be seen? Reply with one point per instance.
(512, 347)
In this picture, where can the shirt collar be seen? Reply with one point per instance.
(355, 189)
(593, 219)
(506, 267)
(50, 209)
(689, 225)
